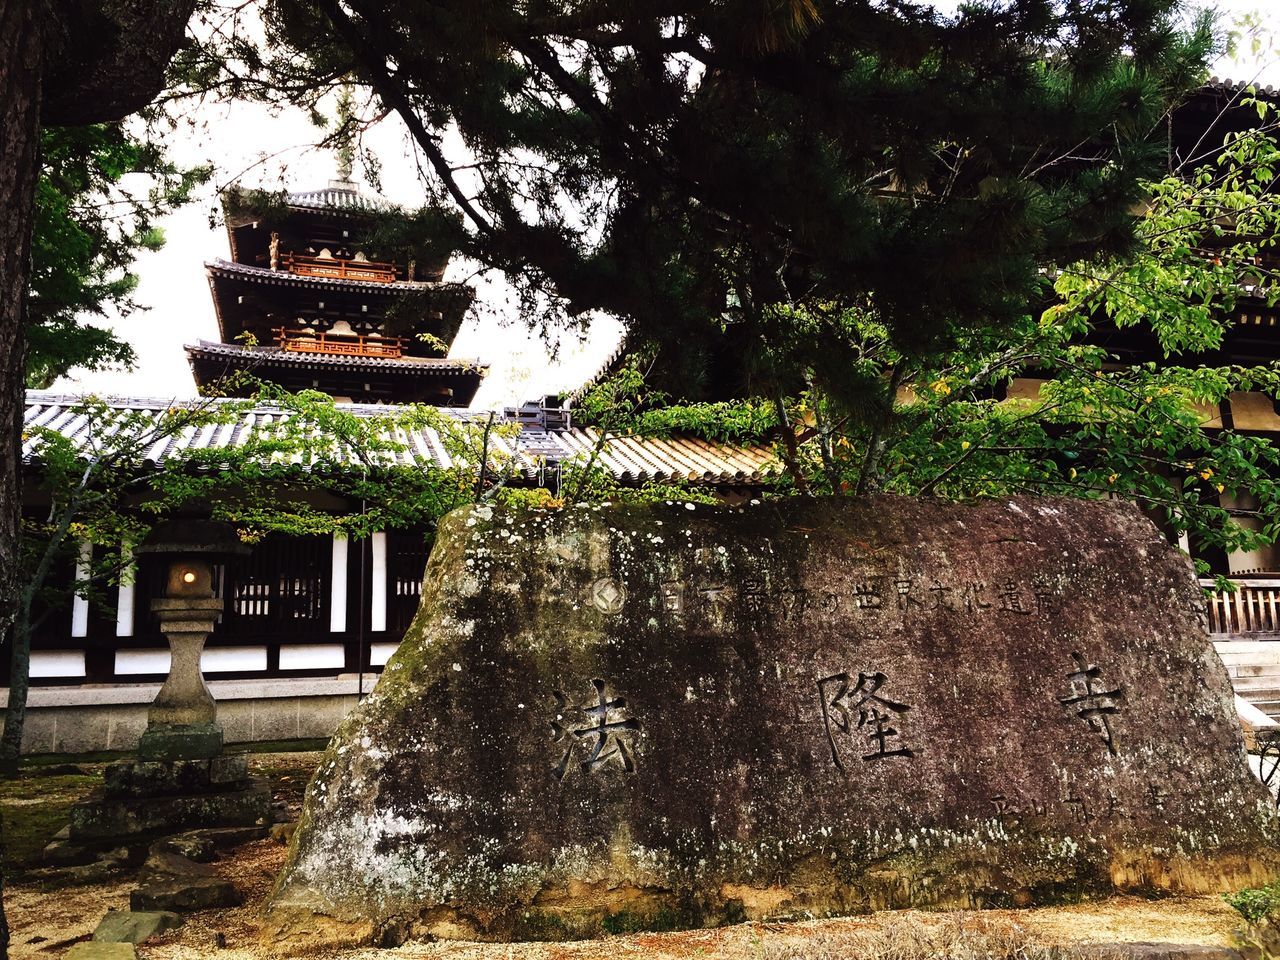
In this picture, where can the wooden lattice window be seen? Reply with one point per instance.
(282, 585)
(406, 560)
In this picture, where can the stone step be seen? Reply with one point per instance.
(172, 882)
(134, 926)
(183, 894)
(64, 853)
(1266, 700)
(1256, 690)
(102, 818)
(101, 950)
(175, 777)
(1261, 649)
(1257, 695)
(1260, 697)
(95, 860)
(1255, 680)
(1254, 670)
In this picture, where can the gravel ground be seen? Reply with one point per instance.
(1204, 920)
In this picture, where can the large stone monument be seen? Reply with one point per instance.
(622, 717)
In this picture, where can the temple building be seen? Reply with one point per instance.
(306, 303)
(307, 621)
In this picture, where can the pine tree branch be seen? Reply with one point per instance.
(375, 65)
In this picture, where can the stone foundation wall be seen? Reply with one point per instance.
(90, 719)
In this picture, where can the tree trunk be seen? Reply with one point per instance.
(106, 60)
(15, 713)
(111, 56)
(21, 66)
(877, 442)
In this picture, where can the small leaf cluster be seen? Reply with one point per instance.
(1255, 904)
(625, 403)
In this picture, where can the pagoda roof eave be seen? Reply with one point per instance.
(226, 279)
(435, 380)
(425, 366)
(243, 271)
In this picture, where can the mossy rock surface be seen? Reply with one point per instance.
(613, 718)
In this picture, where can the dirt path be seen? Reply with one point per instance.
(900, 935)
(44, 923)
(1203, 920)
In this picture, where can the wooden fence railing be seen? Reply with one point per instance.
(1252, 612)
(293, 341)
(370, 271)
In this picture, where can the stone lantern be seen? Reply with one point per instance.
(182, 780)
(182, 720)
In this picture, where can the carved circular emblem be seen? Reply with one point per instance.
(608, 595)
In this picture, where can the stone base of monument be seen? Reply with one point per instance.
(180, 742)
(168, 778)
(145, 803)
(169, 818)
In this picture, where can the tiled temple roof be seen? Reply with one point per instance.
(342, 196)
(424, 365)
(1229, 86)
(228, 268)
(628, 459)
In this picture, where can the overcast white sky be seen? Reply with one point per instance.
(242, 136)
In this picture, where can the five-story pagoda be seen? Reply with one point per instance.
(306, 303)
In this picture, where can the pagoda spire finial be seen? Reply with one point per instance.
(345, 134)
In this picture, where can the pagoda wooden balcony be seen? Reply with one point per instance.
(294, 341)
(366, 271)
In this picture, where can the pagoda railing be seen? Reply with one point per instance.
(293, 341)
(369, 271)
